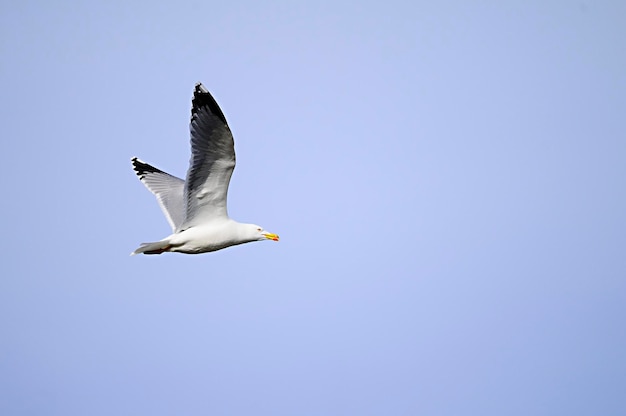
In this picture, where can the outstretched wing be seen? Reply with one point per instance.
(168, 190)
(212, 161)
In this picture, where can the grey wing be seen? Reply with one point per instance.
(168, 190)
(212, 161)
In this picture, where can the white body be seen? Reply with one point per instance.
(213, 236)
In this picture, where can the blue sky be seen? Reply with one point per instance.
(447, 179)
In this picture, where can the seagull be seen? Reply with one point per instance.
(196, 207)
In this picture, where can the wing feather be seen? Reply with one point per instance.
(168, 190)
(212, 161)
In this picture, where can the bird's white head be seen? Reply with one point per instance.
(259, 234)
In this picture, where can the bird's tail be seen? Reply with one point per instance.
(157, 247)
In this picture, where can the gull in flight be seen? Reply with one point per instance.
(196, 207)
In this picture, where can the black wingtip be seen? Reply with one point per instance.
(200, 88)
(203, 98)
(141, 168)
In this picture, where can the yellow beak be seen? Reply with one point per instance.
(271, 236)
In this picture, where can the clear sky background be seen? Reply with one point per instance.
(448, 180)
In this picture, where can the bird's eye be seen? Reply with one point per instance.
(258, 229)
